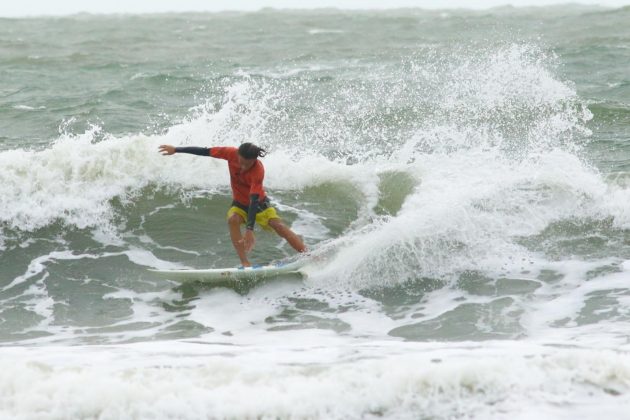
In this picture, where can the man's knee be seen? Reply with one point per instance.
(235, 220)
(276, 224)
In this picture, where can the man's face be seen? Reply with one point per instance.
(245, 164)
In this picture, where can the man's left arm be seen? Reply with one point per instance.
(255, 193)
(252, 210)
(248, 239)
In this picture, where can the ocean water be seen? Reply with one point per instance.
(461, 177)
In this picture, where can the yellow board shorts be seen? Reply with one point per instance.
(262, 218)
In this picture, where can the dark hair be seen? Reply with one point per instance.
(251, 151)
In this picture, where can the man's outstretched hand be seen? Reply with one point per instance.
(167, 149)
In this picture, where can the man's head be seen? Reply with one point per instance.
(247, 155)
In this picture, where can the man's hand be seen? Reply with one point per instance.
(167, 149)
(248, 240)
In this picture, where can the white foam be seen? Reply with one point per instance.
(479, 189)
(38, 266)
(325, 31)
(351, 381)
(28, 107)
(75, 179)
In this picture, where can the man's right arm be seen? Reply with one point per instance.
(199, 151)
(167, 149)
(219, 152)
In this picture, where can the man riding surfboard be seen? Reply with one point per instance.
(250, 203)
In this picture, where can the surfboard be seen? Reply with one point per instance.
(215, 275)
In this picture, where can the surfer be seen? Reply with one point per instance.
(250, 203)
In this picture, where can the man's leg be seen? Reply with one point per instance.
(235, 221)
(294, 240)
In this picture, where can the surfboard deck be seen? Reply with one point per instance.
(211, 275)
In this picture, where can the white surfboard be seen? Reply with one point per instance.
(214, 275)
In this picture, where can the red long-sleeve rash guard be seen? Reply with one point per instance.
(244, 183)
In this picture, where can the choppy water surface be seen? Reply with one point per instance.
(461, 177)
